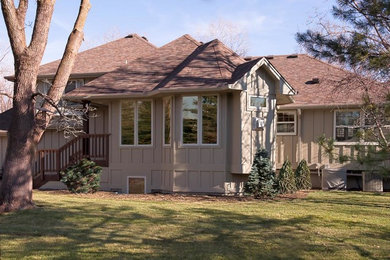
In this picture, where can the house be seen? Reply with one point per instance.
(189, 116)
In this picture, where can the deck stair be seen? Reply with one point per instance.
(50, 162)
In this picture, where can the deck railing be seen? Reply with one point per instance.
(51, 162)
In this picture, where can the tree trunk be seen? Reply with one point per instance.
(16, 186)
(27, 126)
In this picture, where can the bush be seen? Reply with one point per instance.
(83, 177)
(261, 180)
(286, 179)
(302, 176)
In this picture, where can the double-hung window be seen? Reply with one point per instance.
(136, 122)
(286, 123)
(200, 119)
(347, 125)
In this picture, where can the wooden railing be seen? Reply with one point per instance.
(50, 162)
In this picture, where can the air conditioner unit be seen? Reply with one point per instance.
(258, 123)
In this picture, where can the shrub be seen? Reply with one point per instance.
(261, 180)
(83, 177)
(286, 179)
(302, 176)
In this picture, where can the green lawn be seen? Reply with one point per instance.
(336, 225)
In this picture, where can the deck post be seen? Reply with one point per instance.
(85, 141)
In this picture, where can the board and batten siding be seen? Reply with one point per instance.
(174, 167)
(311, 124)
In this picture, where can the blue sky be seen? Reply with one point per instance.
(270, 24)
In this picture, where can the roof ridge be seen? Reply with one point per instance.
(187, 60)
(216, 56)
(326, 63)
(143, 38)
(189, 37)
(104, 45)
(230, 50)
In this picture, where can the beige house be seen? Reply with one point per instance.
(189, 116)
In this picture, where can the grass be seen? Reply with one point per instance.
(325, 225)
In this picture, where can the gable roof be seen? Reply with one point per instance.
(104, 58)
(181, 64)
(302, 72)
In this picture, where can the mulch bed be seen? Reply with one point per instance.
(176, 196)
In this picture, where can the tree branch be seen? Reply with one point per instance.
(6, 94)
(15, 25)
(64, 69)
(41, 26)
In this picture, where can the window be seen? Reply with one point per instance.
(73, 84)
(347, 125)
(167, 111)
(136, 122)
(257, 102)
(200, 119)
(286, 123)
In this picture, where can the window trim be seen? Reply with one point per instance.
(200, 121)
(361, 126)
(253, 108)
(170, 122)
(291, 112)
(136, 124)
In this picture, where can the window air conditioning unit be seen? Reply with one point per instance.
(258, 123)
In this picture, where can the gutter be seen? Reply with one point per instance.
(73, 75)
(319, 106)
(145, 94)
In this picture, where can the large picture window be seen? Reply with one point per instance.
(136, 122)
(286, 123)
(200, 119)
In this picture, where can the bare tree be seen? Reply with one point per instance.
(27, 125)
(5, 85)
(232, 35)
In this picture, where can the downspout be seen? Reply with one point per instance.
(299, 112)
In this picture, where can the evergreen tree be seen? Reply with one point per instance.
(359, 39)
(302, 176)
(261, 180)
(286, 179)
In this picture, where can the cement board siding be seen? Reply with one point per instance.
(174, 167)
(263, 84)
(314, 123)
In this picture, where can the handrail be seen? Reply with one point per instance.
(92, 146)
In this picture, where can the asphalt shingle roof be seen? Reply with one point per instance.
(106, 57)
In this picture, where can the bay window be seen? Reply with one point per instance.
(136, 122)
(200, 119)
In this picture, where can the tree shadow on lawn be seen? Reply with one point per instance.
(101, 231)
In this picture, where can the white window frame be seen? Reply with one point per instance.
(199, 120)
(136, 177)
(361, 126)
(79, 83)
(136, 124)
(253, 108)
(170, 128)
(291, 112)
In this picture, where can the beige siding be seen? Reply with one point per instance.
(313, 123)
(177, 167)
